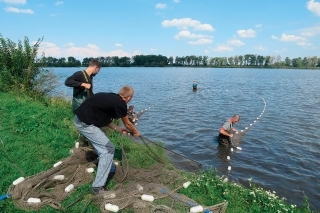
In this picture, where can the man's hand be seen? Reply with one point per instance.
(231, 135)
(136, 134)
(85, 85)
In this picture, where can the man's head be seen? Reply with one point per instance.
(131, 108)
(235, 118)
(94, 66)
(126, 93)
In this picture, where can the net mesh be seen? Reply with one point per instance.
(160, 181)
(235, 140)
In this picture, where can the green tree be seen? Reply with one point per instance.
(297, 62)
(267, 61)
(170, 60)
(240, 60)
(260, 60)
(287, 61)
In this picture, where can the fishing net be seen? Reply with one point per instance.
(237, 137)
(47, 188)
(154, 189)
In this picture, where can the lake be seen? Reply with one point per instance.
(279, 107)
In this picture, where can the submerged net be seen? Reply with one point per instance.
(235, 140)
(160, 181)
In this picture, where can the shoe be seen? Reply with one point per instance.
(99, 190)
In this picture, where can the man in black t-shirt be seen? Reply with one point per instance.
(96, 112)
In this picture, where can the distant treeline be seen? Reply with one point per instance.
(249, 60)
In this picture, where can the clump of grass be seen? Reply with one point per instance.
(209, 188)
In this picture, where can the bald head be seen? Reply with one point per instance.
(235, 118)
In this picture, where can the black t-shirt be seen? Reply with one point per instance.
(101, 108)
(76, 80)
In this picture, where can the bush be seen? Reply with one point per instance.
(21, 70)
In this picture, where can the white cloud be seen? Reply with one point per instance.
(223, 48)
(260, 47)
(258, 25)
(176, 1)
(161, 6)
(235, 42)
(152, 49)
(58, 3)
(118, 45)
(312, 31)
(314, 7)
(247, 33)
(201, 41)
(70, 44)
(17, 10)
(92, 50)
(207, 51)
(304, 44)
(14, 1)
(187, 35)
(204, 27)
(288, 38)
(184, 23)
(50, 49)
(280, 51)
(53, 15)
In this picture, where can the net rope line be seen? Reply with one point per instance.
(144, 139)
(235, 140)
(215, 90)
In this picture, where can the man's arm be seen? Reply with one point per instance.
(224, 132)
(115, 127)
(130, 126)
(77, 80)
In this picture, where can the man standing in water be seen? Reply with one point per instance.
(81, 81)
(194, 86)
(96, 112)
(227, 130)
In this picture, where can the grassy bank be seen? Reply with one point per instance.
(36, 134)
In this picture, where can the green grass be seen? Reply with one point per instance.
(36, 134)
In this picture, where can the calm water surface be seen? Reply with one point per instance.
(280, 151)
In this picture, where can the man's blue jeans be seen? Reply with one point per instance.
(103, 147)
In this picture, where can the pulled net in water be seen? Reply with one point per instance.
(159, 181)
(235, 140)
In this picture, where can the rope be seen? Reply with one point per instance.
(143, 138)
(124, 157)
(74, 202)
(147, 145)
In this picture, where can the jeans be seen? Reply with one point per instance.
(103, 147)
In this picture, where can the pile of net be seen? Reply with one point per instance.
(142, 190)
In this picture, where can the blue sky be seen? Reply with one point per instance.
(214, 28)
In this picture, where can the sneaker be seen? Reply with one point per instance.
(99, 190)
